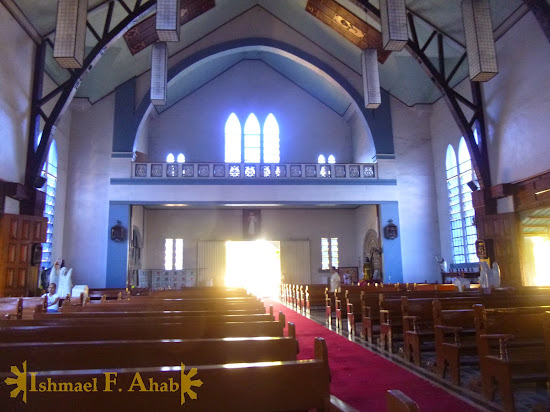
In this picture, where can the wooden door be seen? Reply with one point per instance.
(502, 231)
(18, 236)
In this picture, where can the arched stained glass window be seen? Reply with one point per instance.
(170, 158)
(331, 159)
(255, 145)
(181, 158)
(233, 139)
(49, 171)
(463, 229)
(271, 140)
(252, 141)
(321, 159)
(453, 192)
(468, 213)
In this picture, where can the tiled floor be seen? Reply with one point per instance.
(529, 397)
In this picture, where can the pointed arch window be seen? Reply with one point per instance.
(321, 159)
(271, 140)
(254, 145)
(331, 159)
(233, 139)
(468, 213)
(49, 171)
(170, 158)
(181, 158)
(461, 211)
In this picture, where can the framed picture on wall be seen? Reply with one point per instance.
(350, 272)
(252, 220)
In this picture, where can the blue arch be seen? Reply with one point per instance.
(126, 128)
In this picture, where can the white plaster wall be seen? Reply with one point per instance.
(416, 192)
(517, 104)
(276, 224)
(16, 65)
(87, 206)
(196, 125)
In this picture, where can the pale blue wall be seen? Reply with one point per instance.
(117, 252)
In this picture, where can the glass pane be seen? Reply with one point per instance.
(179, 255)
(271, 140)
(168, 253)
(233, 139)
(321, 159)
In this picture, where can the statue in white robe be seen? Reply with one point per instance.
(65, 284)
(54, 274)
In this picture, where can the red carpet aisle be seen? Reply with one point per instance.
(360, 377)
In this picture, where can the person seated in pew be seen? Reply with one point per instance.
(52, 298)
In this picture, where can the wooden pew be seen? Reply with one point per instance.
(511, 349)
(206, 291)
(11, 308)
(144, 353)
(184, 305)
(113, 318)
(455, 342)
(291, 385)
(187, 329)
(397, 401)
(419, 324)
(315, 295)
(108, 294)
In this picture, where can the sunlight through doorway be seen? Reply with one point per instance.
(254, 265)
(537, 261)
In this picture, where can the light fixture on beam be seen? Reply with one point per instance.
(168, 20)
(480, 42)
(371, 80)
(70, 33)
(393, 19)
(159, 73)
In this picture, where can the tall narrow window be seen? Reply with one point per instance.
(173, 254)
(252, 141)
(453, 192)
(233, 139)
(271, 140)
(329, 253)
(325, 254)
(168, 253)
(50, 173)
(468, 213)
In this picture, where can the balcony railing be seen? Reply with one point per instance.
(246, 171)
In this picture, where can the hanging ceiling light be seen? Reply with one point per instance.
(159, 73)
(168, 20)
(70, 33)
(393, 19)
(371, 80)
(480, 43)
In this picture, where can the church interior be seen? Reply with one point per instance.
(170, 152)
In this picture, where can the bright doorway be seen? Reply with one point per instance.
(254, 265)
(537, 261)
